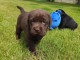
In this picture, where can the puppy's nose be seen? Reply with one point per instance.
(37, 29)
(76, 25)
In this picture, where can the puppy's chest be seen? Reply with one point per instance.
(36, 39)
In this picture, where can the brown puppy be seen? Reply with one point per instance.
(34, 24)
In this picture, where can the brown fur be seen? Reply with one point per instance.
(34, 24)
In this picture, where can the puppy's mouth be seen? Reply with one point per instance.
(41, 33)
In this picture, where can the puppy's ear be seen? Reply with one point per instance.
(63, 12)
(28, 21)
(50, 21)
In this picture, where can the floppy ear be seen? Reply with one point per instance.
(50, 21)
(63, 12)
(28, 21)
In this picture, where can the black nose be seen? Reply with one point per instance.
(37, 29)
(76, 25)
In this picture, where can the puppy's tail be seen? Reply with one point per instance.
(21, 9)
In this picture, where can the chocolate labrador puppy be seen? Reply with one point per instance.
(35, 24)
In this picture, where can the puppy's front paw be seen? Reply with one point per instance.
(17, 37)
(35, 53)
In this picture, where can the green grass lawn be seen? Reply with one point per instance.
(56, 45)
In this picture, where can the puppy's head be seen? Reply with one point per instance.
(39, 22)
(67, 21)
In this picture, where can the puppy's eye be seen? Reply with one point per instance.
(43, 23)
(32, 21)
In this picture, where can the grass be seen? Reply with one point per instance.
(56, 45)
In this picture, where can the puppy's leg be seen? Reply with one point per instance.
(31, 47)
(18, 32)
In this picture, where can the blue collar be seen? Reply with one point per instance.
(59, 11)
(56, 19)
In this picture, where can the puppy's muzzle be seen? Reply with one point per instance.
(76, 25)
(37, 29)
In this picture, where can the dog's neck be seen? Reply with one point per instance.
(38, 37)
(35, 38)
